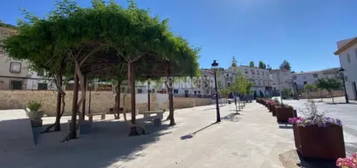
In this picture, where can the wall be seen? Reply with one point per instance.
(324, 94)
(101, 101)
(350, 70)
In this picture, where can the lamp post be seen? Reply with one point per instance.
(344, 83)
(215, 67)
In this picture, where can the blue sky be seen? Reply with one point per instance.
(304, 32)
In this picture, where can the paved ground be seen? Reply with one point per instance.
(252, 139)
(16, 132)
(347, 113)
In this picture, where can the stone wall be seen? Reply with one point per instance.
(323, 94)
(101, 101)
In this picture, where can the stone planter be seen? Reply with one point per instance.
(283, 113)
(314, 142)
(36, 123)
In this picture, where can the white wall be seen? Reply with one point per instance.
(350, 68)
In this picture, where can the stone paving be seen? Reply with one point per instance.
(251, 139)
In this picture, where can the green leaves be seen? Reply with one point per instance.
(329, 84)
(117, 35)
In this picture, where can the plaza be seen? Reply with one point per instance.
(251, 138)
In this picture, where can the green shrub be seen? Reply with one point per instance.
(34, 106)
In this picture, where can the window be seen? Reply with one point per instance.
(175, 91)
(348, 58)
(315, 75)
(16, 85)
(42, 86)
(140, 91)
(15, 67)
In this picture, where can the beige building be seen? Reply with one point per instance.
(13, 73)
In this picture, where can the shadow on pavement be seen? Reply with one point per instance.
(293, 159)
(191, 135)
(106, 144)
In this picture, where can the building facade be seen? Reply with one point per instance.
(347, 52)
(281, 79)
(303, 78)
(13, 73)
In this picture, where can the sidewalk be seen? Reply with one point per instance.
(252, 139)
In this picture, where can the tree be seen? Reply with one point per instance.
(251, 64)
(309, 88)
(286, 93)
(234, 62)
(101, 42)
(285, 66)
(329, 84)
(262, 65)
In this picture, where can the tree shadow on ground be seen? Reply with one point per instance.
(107, 143)
(191, 135)
(351, 103)
(232, 117)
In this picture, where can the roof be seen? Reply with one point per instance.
(346, 46)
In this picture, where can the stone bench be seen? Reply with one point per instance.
(155, 116)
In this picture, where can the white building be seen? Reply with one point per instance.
(281, 79)
(260, 78)
(347, 51)
(303, 78)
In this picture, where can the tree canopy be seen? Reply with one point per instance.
(262, 65)
(110, 34)
(251, 64)
(285, 66)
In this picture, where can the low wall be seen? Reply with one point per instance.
(323, 94)
(101, 101)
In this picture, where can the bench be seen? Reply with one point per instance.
(155, 116)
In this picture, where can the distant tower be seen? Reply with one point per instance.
(234, 62)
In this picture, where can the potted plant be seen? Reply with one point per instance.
(34, 113)
(284, 112)
(349, 162)
(317, 136)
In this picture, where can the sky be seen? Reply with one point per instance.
(303, 32)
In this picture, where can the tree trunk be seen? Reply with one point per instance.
(149, 98)
(333, 99)
(90, 100)
(73, 126)
(171, 105)
(131, 84)
(171, 97)
(119, 97)
(84, 92)
(59, 103)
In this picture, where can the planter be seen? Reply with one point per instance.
(283, 113)
(320, 142)
(273, 109)
(36, 123)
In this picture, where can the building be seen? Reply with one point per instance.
(13, 73)
(281, 79)
(16, 74)
(260, 78)
(303, 78)
(347, 52)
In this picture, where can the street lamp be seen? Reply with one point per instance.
(344, 83)
(215, 67)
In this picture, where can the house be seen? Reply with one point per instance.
(13, 73)
(347, 52)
